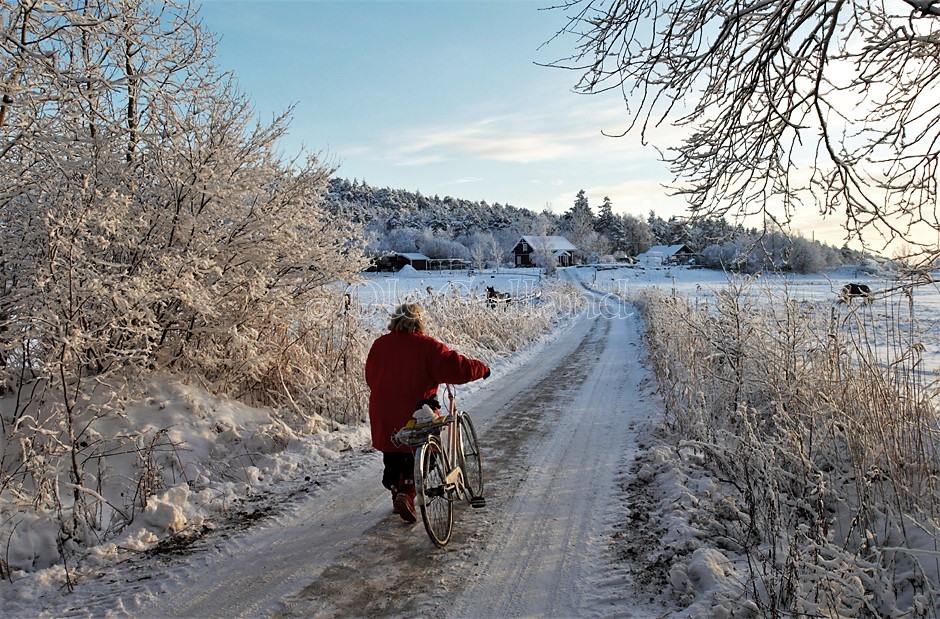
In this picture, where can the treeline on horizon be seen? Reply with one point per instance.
(397, 220)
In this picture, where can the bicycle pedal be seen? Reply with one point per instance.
(477, 502)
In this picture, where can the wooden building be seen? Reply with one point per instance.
(558, 246)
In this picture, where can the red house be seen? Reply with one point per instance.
(558, 246)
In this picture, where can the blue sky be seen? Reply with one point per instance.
(442, 97)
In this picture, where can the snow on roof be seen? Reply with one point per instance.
(414, 256)
(552, 243)
(664, 250)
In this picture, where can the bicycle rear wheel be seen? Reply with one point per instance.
(437, 509)
(472, 463)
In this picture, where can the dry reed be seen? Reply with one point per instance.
(821, 423)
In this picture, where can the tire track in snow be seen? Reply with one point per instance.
(547, 552)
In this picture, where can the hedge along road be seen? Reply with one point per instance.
(558, 435)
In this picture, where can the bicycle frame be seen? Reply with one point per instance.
(454, 482)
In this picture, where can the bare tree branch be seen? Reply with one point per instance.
(788, 104)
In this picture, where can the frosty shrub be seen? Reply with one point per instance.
(315, 365)
(462, 318)
(149, 226)
(822, 428)
(469, 324)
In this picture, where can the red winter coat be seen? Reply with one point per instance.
(403, 369)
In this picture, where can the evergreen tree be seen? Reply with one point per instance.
(659, 229)
(605, 218)
(580, 212)
(610, 227)
(578, 227)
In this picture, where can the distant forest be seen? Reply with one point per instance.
(405, 221)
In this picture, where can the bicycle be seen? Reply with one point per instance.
(445, 470)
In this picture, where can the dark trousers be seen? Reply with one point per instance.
(399, 469)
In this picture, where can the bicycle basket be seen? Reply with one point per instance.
(414, 433)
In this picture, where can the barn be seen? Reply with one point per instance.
(395, 261)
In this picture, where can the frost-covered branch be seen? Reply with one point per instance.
(784, 104)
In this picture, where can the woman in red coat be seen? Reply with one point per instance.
(404, 368)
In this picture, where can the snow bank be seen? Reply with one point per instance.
(177, 458)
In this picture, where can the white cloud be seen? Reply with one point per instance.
(417, 161)
(554, 135)
(496, 139)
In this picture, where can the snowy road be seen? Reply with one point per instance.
(557, 435)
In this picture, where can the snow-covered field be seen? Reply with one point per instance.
(819, 291)
(264, 472)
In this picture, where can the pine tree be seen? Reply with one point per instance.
(637, 235)
(659, 228)
(610, 227)
(580, 212)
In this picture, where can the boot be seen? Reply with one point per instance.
(394, 494)
(405, 502)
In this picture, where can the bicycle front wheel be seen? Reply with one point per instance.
(437, 509)
(472, 463)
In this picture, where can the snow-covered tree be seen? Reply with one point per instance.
(149, 223)
(160, 216)
(637, 235)
(730, 256)
(579, 216)
(610, 227)
(403, 240)
(605, 216)
(438, 245)
(808, 256)
(485, 249)
(659, 229)
(709, 231)
(578, 225)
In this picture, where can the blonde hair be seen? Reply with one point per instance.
(407, 317)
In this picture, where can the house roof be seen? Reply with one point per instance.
(413, 256)
(666, 250)
(551, 243)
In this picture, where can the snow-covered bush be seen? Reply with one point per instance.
(149, 225)
(488, 331)
(820, 431)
